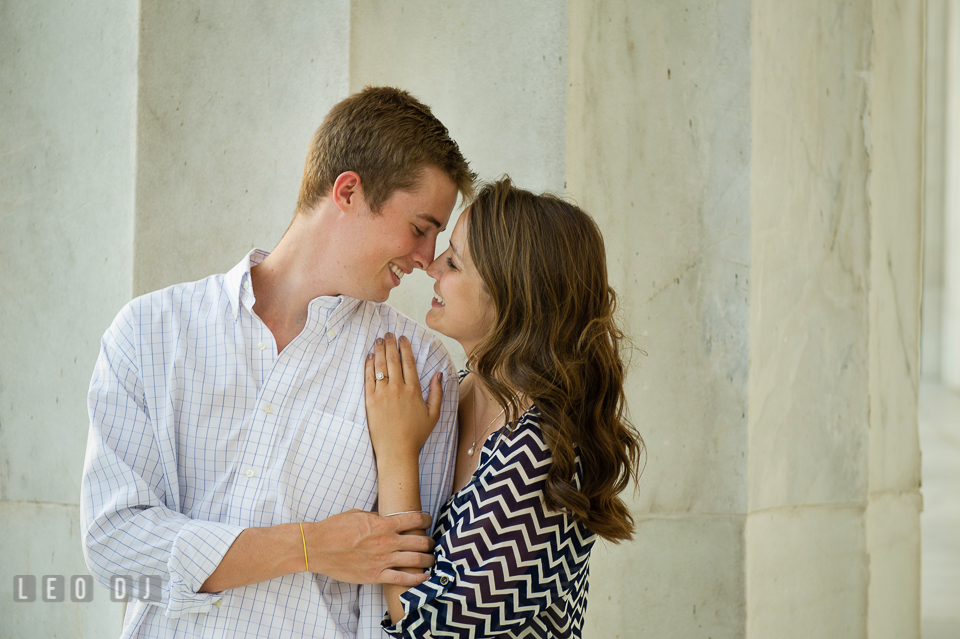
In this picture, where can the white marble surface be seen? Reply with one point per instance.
(834, 329)
(68, 108)
(807, 573)
(810, 243)
(940, 521)
(895, 188)
(935, 101)
(950, 300)
(44, 539)
(659, 153)
(682, 578)
(229, 97)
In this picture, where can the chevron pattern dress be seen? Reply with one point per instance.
(506, 566)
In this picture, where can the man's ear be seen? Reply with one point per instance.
(348, 192)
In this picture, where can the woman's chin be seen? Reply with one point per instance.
(433, 322)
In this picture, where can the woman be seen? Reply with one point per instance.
(544, 446)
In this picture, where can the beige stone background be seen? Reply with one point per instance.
(777, 182)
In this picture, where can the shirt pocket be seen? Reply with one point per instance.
(329, 468)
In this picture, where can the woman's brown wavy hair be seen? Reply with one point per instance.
(557, 341)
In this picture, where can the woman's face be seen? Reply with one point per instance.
(461, 308)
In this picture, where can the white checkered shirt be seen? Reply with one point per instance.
(198, 429)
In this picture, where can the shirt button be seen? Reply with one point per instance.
(250, 472)
(218, 603)
(261, 346)
(268, 409)
(246, 284)
(331, 333)
(444, 581)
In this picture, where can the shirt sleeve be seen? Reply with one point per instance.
(502, 556)
(129, 532)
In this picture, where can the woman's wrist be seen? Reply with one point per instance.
(397, 462)
(399, 481)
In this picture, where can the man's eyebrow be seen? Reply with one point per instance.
(426, 217)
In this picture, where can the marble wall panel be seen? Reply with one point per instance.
(44, 539)
(950, 320)
(934, 149)
(893, 548)
(807, 573)
(230, 95)
(658, 150)
(896, 230)
(809, 253)
(682, 577)
(494, 73)
(66, 202)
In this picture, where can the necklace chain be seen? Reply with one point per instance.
(473, 446)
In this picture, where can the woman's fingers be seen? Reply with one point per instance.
(380, 360)
(413, 521)
(435, 397)
(408, 363)
(405, 579)
(394, 369)
(369, 376)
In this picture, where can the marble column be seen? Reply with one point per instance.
(950, 318)
(67, 104)
(934, 165)
(757, 171)
(658, 150)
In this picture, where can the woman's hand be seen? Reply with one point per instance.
(398, 419)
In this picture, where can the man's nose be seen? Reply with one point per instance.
(423, 256)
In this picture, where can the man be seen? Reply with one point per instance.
(228, 449)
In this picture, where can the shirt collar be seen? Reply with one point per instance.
(237, 281)
(325, 314)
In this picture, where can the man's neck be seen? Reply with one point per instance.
(290, 277)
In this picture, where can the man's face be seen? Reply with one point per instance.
(403, 237)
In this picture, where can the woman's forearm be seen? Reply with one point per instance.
(399, 481)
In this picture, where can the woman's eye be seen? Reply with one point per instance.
(451, 264)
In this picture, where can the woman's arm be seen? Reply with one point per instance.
(399, 421)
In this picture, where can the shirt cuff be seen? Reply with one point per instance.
(197, 551)
(442, 578)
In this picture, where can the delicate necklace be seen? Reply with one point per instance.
(473, 446)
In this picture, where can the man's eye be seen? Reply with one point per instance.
(418, 231)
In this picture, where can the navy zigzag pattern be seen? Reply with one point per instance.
(506, 566)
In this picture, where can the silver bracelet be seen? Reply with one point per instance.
(406, 512)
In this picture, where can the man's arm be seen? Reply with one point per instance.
(129, 530)
(354, 547)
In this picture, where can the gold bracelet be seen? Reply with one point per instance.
(303, 537)
(407, 512)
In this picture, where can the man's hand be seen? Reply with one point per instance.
(356, 547)
(363, 548)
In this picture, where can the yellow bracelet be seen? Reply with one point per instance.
(304, 548)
